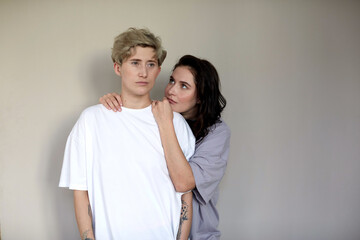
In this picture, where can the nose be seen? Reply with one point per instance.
(171, 89)
(143, 71)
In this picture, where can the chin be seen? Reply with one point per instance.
(143, 92)
(175, 109)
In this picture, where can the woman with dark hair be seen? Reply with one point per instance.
(194, 91)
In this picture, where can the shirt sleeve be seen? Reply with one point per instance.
(209, 162)
(73, 173)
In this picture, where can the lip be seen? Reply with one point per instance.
(142, 83)
(171, 101)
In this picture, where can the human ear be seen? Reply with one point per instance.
(117, 69)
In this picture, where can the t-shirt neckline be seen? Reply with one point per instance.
(136, 109)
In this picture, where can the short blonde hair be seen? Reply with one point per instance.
(133, 37)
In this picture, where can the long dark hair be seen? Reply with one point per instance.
(211, 101)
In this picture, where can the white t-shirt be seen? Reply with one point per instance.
(118, 158)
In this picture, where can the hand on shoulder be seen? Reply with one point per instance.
(112, 101)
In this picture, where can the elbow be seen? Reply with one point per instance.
(185, 186)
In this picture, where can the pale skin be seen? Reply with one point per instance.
(185, 217)
(138, 74)
(83, 214)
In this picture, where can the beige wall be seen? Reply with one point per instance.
(290, 72)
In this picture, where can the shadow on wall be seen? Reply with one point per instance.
(157, 93)
(101, 74)
(97, 77)
(62, 198)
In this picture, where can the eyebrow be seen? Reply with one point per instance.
(186, 83)
(182, 82)
(140, 60)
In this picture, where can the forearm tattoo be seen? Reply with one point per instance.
(84, 235)
(89, 211)
(183, 216)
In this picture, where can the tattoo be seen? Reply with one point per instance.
(84, 235)
(89, 211)
(183, 216)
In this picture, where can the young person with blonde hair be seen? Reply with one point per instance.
(115, 162)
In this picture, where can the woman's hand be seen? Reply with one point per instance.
(111, 101)
(162, 112)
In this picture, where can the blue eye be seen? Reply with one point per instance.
(134, 63)
(184, 86)
(151, 65)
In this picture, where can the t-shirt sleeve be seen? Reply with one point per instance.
(73, 173)
(184, 135)
(209, 163)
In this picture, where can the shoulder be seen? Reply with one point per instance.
(217, 140)
(178, 117)
(180, 122)
(93, 114)
(182, 129)
(93, 111)
(219, 129)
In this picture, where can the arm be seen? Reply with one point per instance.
(185, 216)
(179, 169)
(209, 162)
(83, 214)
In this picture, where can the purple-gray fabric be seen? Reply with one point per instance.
(208, 165)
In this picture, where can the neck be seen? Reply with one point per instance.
(135, 102)
(191, 114)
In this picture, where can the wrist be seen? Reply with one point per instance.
(167, 125)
